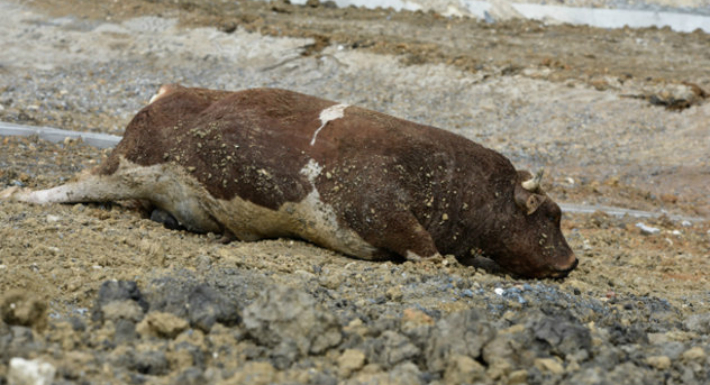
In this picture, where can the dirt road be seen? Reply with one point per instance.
(615, 117)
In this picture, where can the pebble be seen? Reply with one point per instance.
(127, 310)
(549, 365)
(659, 362)
(351, 360)
(30, 372)
(207, 306)
(394, 294)
(159, 324)
(463, 370)
(694, 354)
(254, 373)
(390, 349)
(648, 230)
(151, 362)
(412, 317)
(460, 333)
(290, 319)
(23, 309)
(699, 323)
(518, 377)
(117, 291)
(53, 218)
(330, 281)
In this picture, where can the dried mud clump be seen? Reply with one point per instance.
(23, 309)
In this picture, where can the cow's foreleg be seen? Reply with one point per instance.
(406, 237)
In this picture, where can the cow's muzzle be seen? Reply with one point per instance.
(564, 271)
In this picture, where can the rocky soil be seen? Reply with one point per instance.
(97, 293)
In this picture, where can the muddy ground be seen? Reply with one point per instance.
(104, 295)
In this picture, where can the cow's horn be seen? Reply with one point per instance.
(533, 184)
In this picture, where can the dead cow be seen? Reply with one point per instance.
(268, 163)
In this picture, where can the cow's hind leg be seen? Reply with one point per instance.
(163, 187)
(91, 188)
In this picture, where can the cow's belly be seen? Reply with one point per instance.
(181, 194)
(309, 219)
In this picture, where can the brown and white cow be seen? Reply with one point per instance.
(268, 163)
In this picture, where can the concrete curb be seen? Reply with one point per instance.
(56, 135)
(620, 212)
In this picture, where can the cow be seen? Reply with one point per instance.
(271, 163)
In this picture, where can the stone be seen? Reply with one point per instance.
(518, 377)
(164, 325)
(507, 350)
(413, 318)
(499, 369)
(207, 307)
(698, 323)
(659, 362)
(626, 373)
(291, 318)
(461, 333)
(252, 373)
(153, 362)
(550, 365)
(463, 369)
(416, 325)
(118, 291)
(23, 309)
(128, 310)
(30, 372)
(330, 281)
(390, 349)
(200, 303)
(564, 335)
(125, 331)
(405, 373)
(394, 294)
(351, 360)
(191, 376)
(694, 354)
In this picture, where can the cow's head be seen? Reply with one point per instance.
(529, 241)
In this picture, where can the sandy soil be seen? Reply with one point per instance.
(615, 117)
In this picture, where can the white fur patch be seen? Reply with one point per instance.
(412, 256)
(312, 170)
(331, 113)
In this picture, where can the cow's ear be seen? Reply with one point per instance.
(527, 201)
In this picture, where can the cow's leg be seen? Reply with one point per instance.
(405, 236)
(162, 187)
(91, 188)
